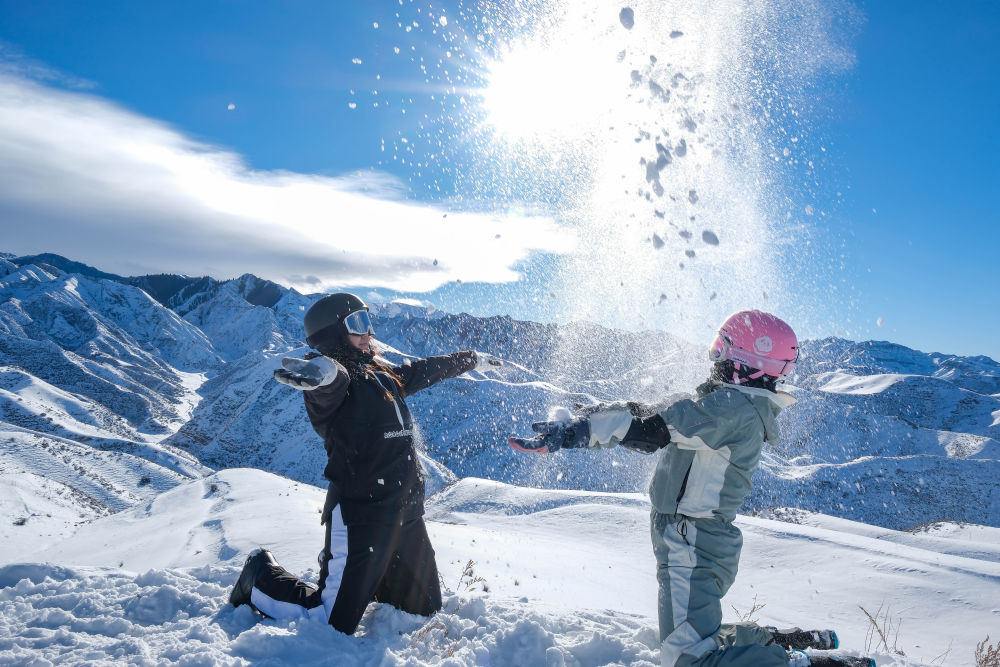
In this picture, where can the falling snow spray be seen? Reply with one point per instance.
(669, 127)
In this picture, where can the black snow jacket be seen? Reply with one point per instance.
(366, 427)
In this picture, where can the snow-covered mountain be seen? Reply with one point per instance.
(882, 434)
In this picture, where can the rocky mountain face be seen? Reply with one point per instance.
(132, 384)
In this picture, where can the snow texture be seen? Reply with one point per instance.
(547, 586)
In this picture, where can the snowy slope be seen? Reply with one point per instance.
(568, 579)
(104, 341)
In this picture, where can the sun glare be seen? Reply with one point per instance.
(549, 90)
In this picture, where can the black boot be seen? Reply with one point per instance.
(795, 638)
(257, 562)
(846, 661)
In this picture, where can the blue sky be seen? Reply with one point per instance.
(897, 119)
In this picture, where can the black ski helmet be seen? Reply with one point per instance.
(329, 312)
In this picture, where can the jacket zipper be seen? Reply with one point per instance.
(684, 484)
(399, 415)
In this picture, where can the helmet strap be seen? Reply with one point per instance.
(733, 372)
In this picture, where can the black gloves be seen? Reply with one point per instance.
(570, 433)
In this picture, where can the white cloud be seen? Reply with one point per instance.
(83, 177)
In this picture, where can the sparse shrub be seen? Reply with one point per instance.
(987, 655)
(144, 481)
(883, 631)
(470, 580)
(425, 633)
(750, 616)
(20, 521)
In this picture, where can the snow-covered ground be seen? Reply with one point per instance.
(556, 578)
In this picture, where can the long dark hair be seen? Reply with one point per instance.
(359, 363)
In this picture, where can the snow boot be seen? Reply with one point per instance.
(802, 659)
(257, 562)
(795, 638)
(840, 661)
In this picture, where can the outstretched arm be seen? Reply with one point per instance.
(632, 425)
(422, 373)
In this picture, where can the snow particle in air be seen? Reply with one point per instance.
(352, 105)
(375, 24)
(657, 241)
(689, 253)
(231, 107)
(443, 21)
(693, 196)
(809, 210)
(627, 17)
(709, 237)
(674, 34)
(435, 262)
(356, 61)
(685, 234)
(880, 321)
(656, 90)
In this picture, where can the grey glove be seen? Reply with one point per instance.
(307, 375)
(486, 362)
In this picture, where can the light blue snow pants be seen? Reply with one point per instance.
(696, 561)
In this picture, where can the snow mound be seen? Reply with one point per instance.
(180, 616)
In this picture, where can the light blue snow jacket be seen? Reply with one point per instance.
(714, 448)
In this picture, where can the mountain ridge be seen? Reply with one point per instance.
(882, 433)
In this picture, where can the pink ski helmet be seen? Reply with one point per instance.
(758, 340)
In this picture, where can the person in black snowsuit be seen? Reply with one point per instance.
(377, 548)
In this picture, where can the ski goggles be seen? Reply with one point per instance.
(359, 323)
(723, 348)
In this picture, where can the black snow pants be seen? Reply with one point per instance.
(391, 564)
(373, 562)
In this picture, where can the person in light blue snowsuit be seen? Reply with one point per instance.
(710, 447)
